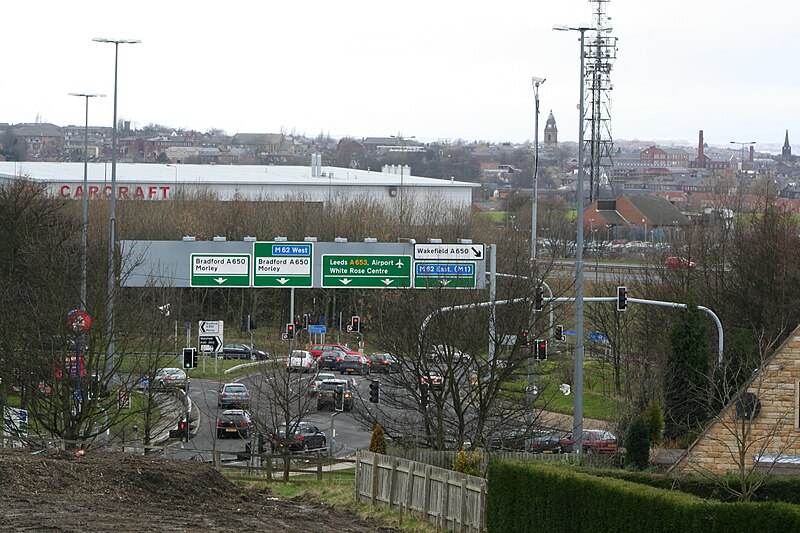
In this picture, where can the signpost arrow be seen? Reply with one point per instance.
(282, 281)
(387, 281)
(220, 280)
(345, 281)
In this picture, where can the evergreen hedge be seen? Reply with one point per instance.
(529, 496)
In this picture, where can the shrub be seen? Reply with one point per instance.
(468, 463)
(377, 444)
(654, 417)
(637, 444)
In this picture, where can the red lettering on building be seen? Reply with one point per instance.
(65, 192)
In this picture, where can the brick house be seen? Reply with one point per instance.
(763, 420)
(650, 215)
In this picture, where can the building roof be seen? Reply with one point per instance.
(257, 139)
(657, 210)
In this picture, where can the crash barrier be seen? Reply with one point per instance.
(563, 499)
(450, 500)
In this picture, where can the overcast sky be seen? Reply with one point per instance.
(434, 69)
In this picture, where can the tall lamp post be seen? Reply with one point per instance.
(535, 199)
(175, 167)
(112, 211)
(577, 430)
(401, 148)
(85, 220)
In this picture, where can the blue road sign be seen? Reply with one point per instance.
(597, 336)
(570, 332)
(317, 328)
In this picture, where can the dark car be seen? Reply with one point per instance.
(544, 442)
(509, 439)
(434, 380)
(302, 437)
(354, 364)
(242, 351)
(383, 362)
(333, 390)
(330, 359)
(594, 441)
(233, 395)
(233, 423)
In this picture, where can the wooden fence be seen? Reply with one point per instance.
(451, 500)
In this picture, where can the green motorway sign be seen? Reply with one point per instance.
(282, 264)
(220, 270)
(365, 271)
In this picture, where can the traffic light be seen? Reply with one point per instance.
(297, 323)
(539, 301)
(338, 398)
(559, 333)
(524, 338)
(355, 322)
(374, 391)
(622, 298)
(290, 330)
(305, 321)
(189, 358)
(423, 394)
(541, 349)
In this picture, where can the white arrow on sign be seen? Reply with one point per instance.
(444, 281)
(282, 280)
(387, 281)
(220, 280)
(345, 281)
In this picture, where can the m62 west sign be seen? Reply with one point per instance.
(220, 270)
(282, 264)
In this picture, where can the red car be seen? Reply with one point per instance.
(594, 441)
(318, 349)
(679, 262)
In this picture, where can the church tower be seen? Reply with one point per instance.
(550, 134)
(787, 148)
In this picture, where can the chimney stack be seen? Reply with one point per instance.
(701, 159)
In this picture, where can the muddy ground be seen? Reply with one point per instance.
(100, 491)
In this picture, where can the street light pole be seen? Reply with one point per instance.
(535, 197)
(85, 219)
(112, 213)
(577, 430)
(175, 190)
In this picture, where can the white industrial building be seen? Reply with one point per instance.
(392, 186)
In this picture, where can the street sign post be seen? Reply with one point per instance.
(210, 338)
(282, 264)
(597, 336)
(365, 271)
(459, 275)
(220, 270)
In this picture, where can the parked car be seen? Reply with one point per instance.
(233, 395)
(544, 442)
(301, 361)
(509, 439)
(354, 364)
(679, 262)
(234, 423)
(383, 362)
(242, 351)
(434, 379)
(316, 383)
(170, 378)
(302, 437)
(594, 441)
(318, 349)
(440, 354)
(327, 395)
(330, 359)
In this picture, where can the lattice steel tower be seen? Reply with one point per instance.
(600, 54)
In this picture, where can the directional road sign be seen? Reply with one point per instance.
(365, 271)
(597, 336)
(211, 335)
(449, 252)
(220, 270)
(457, 275)
(282, 264)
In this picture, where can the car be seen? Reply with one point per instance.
(383, 362)
(234, 423)
(594, 441)
(434, 379)
(440, 354)
(330, 359)
(318, 349)
(242, 351)
(509, 439)
(233, 395)
(316, 382)
(679, 262)
(333, 390)
(301, 361)
(354, 364)
(303, 436)
(543, 442)
(170, 378)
